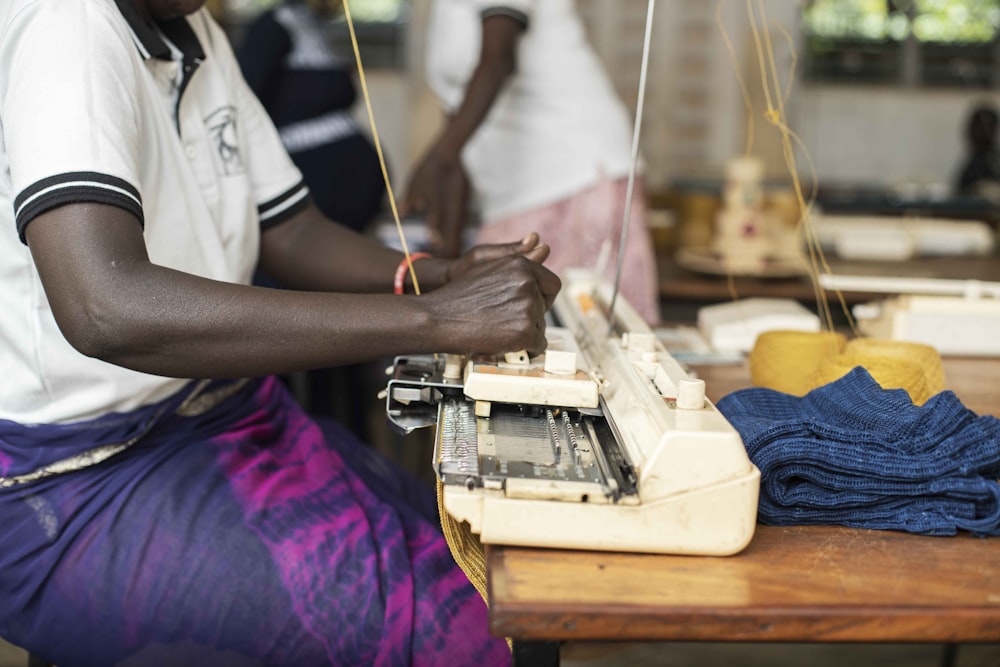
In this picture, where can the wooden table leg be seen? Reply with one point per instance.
(535, 654)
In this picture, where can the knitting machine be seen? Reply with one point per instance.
(602, 443)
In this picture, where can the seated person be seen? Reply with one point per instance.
(163, 500)
(537, 133)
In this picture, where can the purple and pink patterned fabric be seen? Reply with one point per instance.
(240, 533)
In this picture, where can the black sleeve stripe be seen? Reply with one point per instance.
(286, 213)
(76, 178)
(284, 205)
(74, 188)
(277, 202)
(509, 12)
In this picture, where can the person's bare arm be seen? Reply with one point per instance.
(497, 63)
(112, 303)
(438, 187)
(311, 252)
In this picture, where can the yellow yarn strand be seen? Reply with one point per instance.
(378, 146)
(776, 116)
(797, 362)
(748, 104)
(775, 96)
(465, 547)
(744, 89)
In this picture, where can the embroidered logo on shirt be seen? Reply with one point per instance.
(221, 125)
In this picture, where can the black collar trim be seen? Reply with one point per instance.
(148, 41)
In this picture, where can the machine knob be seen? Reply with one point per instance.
(453, 365)
(691, 394)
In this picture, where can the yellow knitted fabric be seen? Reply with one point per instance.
(924, 355)
(787, 361)
(796, 362)
(465, 548)
(889, 372)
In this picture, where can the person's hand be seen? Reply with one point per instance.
(439, 190)
(530, 247)
(497, 305)
(437, 271)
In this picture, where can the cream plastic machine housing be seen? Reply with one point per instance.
(615, 446)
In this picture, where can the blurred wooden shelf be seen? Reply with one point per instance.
(677, 282)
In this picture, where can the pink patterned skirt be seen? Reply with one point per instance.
(586, 226)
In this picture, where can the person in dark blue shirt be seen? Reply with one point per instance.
(308, 90)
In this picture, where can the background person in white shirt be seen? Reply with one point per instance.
(534, 122)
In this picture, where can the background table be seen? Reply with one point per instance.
(679, 283)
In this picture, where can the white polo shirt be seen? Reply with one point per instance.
(558, 124)
(94, 107)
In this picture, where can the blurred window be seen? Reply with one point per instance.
(908, 42)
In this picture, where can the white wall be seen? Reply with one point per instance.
(888, 136)
(406, 114)
(695, 117)
(864, 135)
(398, 112)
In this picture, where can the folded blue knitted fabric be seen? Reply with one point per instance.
(854, 454)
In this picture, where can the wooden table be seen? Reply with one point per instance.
(801, 584)
(815, 583)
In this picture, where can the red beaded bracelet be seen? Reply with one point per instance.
(397, 283)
